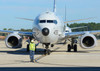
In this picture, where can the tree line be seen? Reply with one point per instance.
(89, 26)
(10, 29)
(25, 30)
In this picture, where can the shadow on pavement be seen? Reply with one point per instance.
(23, 51)
(40, 51)
(71, 51)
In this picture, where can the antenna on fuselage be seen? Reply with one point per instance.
(54, 8)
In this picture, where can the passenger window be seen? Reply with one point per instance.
(42, 21)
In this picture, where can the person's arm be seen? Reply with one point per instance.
(25, 42)
(37, 43)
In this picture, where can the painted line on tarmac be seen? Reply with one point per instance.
(38, 58)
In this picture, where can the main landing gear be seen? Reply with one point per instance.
(47, 50)
(73, 45)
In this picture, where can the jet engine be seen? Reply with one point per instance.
(13, 41)
(88, 41)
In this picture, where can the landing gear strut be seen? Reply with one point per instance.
(47, 51)
(72, 46)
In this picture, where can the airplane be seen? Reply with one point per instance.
(49, 29)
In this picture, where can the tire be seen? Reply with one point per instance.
(69, 48)
(27, 47)
(44, 51)
(49, 52)
(75, 48)
(35, 49)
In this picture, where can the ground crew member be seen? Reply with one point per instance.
(28, 42)
(32, 50)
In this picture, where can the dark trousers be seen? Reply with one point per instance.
(32, 55)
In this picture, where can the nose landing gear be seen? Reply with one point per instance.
(47, 50)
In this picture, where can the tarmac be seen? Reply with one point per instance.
(59, 59)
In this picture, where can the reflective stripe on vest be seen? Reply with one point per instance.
(32, 46)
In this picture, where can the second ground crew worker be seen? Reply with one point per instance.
(32, 46)
(28, 42)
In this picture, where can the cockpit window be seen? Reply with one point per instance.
(55, 21)
(49, 21)
(52, 21)
(42, 21)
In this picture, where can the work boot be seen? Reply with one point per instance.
(31, 60)
(34, 61)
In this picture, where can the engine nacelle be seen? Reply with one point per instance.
(88, 41)
(13, 41)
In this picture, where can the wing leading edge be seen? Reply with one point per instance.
(18, 32)
(76, 34)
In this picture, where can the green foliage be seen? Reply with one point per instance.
(5, 29)
(10, 29)
(24, 30)
(90, 26)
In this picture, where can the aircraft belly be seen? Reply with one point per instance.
(49, 39)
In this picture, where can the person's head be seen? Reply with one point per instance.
(28, 38)
(32, 41)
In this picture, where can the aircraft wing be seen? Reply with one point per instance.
(80, 20)
(76, 34)
(79, 27)
(19, 32)
(26, 19)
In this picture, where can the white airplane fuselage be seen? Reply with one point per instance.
(49, 28)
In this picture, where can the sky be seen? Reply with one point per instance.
(75, 9)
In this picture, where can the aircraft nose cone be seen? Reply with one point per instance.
(45, 31)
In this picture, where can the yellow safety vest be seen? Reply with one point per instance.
(32, 46)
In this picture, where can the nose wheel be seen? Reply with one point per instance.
(47, 50)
